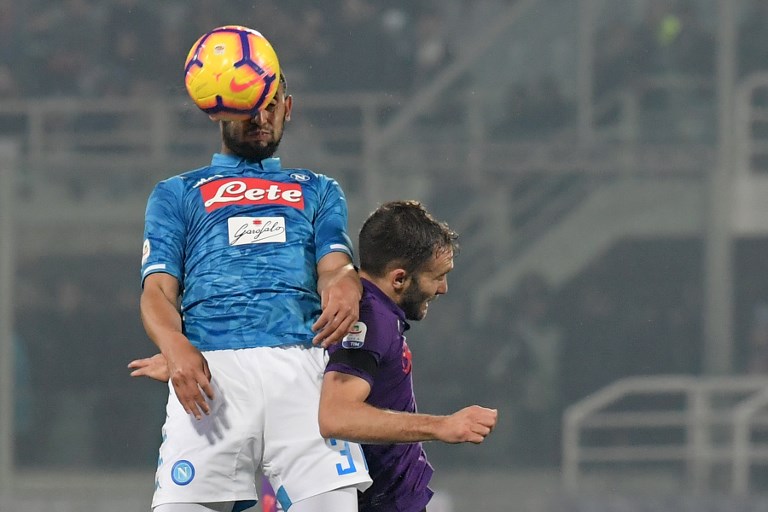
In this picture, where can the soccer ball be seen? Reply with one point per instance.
(232, 72)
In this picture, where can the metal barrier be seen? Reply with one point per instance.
(709, 424)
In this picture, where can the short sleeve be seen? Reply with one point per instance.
(331, 221)
(164, 231)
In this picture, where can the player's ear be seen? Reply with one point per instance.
(399, 279)
(288, 107)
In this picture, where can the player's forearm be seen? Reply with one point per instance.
(364, 423)
(162, 320)
(344, 275)
(340, 292)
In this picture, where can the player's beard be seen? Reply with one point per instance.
(413, 301)
(254, 151)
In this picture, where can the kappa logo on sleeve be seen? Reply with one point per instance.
(355, 338)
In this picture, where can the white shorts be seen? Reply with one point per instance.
(263, 419)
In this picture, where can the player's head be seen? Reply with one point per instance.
(259, 137)
(403, 245)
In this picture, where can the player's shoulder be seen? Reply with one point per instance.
(377, 315)
(307, 176)
(193, 179)
(179, 186)
(375, 331)
(196, 177)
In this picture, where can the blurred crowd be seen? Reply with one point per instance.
(664, 56)
(124, 47)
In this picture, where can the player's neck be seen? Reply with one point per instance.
(382, 283)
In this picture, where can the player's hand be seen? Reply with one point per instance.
(191, 378)
(469, 425)
(340, 302)
(155, 367)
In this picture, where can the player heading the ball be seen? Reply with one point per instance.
(231, 73)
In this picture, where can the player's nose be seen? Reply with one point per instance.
(260, 117)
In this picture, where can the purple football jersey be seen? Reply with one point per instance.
(400, 472)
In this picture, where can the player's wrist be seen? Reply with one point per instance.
(174, 345)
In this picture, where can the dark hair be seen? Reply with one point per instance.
(283, 81)
(402, 234)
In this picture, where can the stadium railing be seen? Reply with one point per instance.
(684, 426)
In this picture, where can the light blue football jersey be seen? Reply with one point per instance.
(243, 238)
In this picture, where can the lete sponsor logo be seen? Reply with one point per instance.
(220, 193)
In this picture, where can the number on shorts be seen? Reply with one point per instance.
(341, 470)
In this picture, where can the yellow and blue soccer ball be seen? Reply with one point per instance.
(232, 72)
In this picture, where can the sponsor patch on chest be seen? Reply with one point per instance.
(250, 191)
(255, 230)
(355, 338)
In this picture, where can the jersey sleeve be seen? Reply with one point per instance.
(164, 231)
(369, 335)
(331, 221)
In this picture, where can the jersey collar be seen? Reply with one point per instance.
(384, 299)
(268, 164)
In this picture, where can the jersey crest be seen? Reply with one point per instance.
(407, 358)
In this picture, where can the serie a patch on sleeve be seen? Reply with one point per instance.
(145, 250)
(355, 338)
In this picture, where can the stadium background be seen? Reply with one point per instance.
(603, 160)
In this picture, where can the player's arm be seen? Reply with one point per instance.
(344, 414)
(340, 292)
(188, 369)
